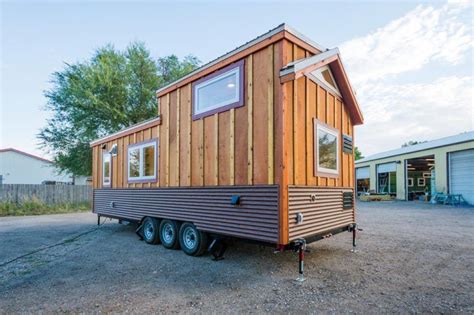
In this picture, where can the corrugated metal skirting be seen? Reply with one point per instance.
(321, 208)
(209, 208)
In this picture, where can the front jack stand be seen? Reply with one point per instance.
(354, 229)
(300, 247)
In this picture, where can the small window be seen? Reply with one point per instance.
(106, 169)
(421, 182)
(324, 77)
(142, 161)
(327, 149)
(410, 182)
(219, 91)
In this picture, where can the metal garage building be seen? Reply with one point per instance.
(444, 165)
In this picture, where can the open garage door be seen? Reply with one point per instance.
(362, 179)
(461, 174)
(387, 178)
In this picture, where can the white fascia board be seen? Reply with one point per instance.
(301, 64)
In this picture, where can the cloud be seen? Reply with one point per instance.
(425, 45)
(408, 43)
(396, 113)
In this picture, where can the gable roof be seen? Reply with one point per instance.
(25, 154)
(332, 58)
(460, 138)
(273, 35)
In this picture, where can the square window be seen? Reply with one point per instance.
(219, 91)
(326, 150)
(142, 161)
(421, 182)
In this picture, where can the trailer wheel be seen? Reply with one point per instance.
(150, 230)
(193, 242)
(169, 234)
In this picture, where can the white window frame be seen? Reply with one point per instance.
(141, 147)
(106, 156)
(317, 77)
(410, 182)
(319, 169)
(421, 182)
(237, 100)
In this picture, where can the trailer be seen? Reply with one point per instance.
(256, 144)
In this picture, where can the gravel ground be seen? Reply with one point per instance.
(412, 258)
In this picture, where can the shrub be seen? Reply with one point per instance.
(36, 207)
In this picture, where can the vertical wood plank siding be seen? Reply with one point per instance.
(209, 208)
(268, 141)
(234, 147)
(321, 215)
(305, 100)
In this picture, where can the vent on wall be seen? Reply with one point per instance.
(347, 140)
(347, 200)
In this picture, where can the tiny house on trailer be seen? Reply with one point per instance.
(257, 145)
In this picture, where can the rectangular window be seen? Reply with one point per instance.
(326, 150)
(410, 182)
(106, 168)
(142, 161)
(421, 182)
(219, 91)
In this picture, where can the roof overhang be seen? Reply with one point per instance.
(302, 67)
(126, 131)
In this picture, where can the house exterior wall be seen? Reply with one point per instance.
(304, 101)
(267, 141)
(441, 166)
(240, 146)
(17, 168)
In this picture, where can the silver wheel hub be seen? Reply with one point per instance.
(168, 233)
(148, 230)
(189, 237)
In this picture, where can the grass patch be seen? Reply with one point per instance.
(37, 207)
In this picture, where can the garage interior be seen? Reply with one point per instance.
(420, 174)
(362, 180)
(387, 178)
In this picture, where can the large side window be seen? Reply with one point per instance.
(106, 170)
(219, 91)
(326, 150)
(142, 161)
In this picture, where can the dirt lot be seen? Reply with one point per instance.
(412, 258)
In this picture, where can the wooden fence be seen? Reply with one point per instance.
(49, 194)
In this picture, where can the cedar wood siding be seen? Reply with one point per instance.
(267, 141)
(304, 100)
(234, 147)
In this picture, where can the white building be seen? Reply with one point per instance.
(443, 165)
(18, 167)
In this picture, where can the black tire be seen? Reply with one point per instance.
(150, 230)
(193, 242)
(169, 231)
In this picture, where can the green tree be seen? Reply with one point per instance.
(357, 154)
(111, 91)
